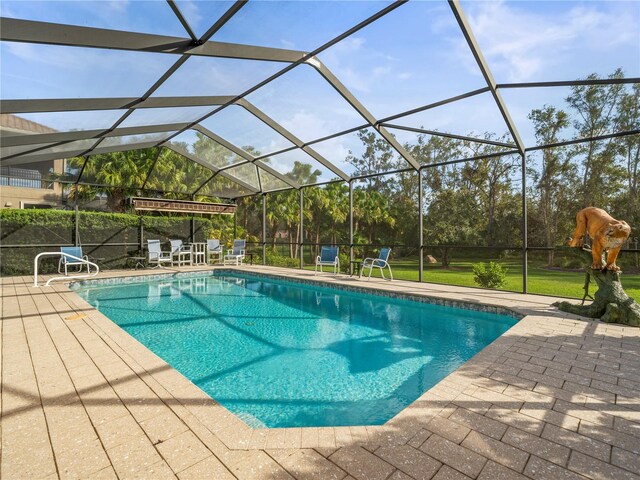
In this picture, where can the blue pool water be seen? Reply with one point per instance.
(284, 354)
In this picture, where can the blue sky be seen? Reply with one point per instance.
(411, 57)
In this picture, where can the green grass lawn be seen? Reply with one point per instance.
(560, 283)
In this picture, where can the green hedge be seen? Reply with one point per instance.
(98, 231)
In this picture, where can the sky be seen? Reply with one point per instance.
(411, 57)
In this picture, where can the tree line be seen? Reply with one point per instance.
(479, 202)
(472, 203)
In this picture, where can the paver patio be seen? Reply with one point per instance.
(556, 397)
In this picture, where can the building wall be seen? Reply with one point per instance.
(17, 197)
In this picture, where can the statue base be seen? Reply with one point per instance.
(610, 304)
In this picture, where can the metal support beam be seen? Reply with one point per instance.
(182, 20)
(176, 65)
(421, 223)
(153, 165)
(224, 18)
(301, 245)
(76, 221)
(119, 148)
(244, 154)
(469, 159)
(10, 160)
(235, 220)
(353, 101)
(28, 31)
(264, 229)
(37, 105)
(204, 184)
(440, 103)
(257, 175)
(35, 150)
(66, 137)
(214, 169)
(141, 233)
(435, 133)
(570, 83)
(84, 165)
(386, 10)
(486, 73)
(525, 226)
(351, 227)
(583, 140)
(192, 224)
(259, 114)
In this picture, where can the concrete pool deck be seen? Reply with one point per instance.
(555, 397)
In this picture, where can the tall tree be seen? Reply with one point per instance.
(595, 107)
(337, 211)
(490, 180)
(377, 157)
(629, 149)
(554, 175)
(118, 173)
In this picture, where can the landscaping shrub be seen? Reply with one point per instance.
(491, 275)
(276, 260)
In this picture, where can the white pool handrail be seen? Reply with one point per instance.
(72, 257)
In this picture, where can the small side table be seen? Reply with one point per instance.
(250, 255)
(140, 262)
(198, 253)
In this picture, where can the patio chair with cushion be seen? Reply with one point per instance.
(381, 262)
(235, 255)
(328, 256)
(214, 249)
(156, 255)
(67, 261)
(180, 254)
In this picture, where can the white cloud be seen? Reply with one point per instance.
(335, 150)
(304, 121)
(64, 58)
(287, 44)
(191, 12)
(380, 71)
(117, 5)
(339, 57)
(523, 44)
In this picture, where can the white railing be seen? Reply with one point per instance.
(66, 277)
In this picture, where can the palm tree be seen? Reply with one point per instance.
(118, 174)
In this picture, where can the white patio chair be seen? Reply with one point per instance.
(214, 249)
(235, 255)
(180, 254)
(156, 255)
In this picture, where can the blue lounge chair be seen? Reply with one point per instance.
(67, 261)
(381, 262)
(328, 256)
(156, 255)
(236, 254)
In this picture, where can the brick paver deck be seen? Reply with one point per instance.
(556, 397)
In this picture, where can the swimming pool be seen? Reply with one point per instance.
(284, 354)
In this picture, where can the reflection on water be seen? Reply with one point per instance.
(284, 354)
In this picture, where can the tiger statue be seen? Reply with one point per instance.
(607, 235)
